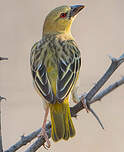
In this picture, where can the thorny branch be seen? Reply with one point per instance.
(91, 97)
(114, 65)
(106, 91)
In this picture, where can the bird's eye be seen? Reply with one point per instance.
(62, 15)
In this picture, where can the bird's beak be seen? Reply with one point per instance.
(75, 9)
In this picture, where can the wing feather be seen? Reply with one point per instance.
(68, 70)
(39, 72)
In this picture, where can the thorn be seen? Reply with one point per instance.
(22, 137)
(112, 58)
(1, 98)
(95, 115)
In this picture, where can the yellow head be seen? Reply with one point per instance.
(60, 19)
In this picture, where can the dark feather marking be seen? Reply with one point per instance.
(76, 65)
(33, 74)
(62, 82)
(44, 78)
(76, 55)
(37, 54)
(62, 65)
(45, 54)
(71, 53)
(72, 66)
(41, 70)
(60, 73)
(79, 63)
(44, 88)
(63, 88)
(64, 93)
(49, 97)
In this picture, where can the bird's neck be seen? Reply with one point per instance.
(65, 36)
(67, 32)
(62, 36)
(51, 29)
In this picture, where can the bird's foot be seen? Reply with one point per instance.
(76, 99)
(43, 133)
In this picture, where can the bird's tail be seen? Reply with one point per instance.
(62, 125)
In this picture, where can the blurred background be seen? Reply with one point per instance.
(99, 32)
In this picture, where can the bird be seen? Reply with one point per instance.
(55, 63)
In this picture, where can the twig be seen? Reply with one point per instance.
(108, 90)
(89, 98)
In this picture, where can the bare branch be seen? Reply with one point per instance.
(26, 139)
(23, 141)
(78, 107)
(38, 143)
(108, 90)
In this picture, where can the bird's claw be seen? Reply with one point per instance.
(46, 146)
(43, 133)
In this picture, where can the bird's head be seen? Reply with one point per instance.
(60, 19)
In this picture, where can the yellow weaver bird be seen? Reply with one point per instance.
(55, 63)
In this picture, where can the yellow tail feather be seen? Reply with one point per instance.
(62, 125)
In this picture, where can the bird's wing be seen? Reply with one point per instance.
(38, 69)
(68, 68)
(55, 77)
